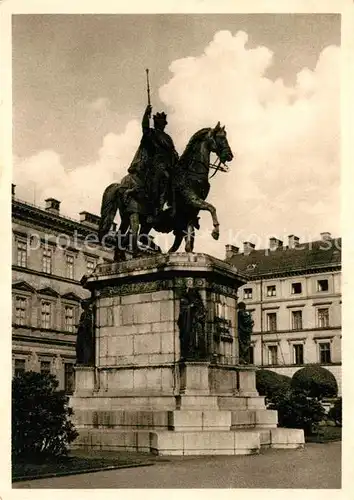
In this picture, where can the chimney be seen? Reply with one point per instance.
(13, 189)
(325, 236)
(293, 241)
(231, 250)
(52, 205)
(248, 247)
(274, 243)
(89, 219)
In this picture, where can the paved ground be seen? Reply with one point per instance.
(316, 466)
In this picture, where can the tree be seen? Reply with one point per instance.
(270, 383)
(296, 410)
(40, 417)
(335, 413)
(315, 381)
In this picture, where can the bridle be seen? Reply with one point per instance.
(218, 166)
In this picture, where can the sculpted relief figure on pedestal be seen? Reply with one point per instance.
(85, 336)
(245, 327)
(191, 323)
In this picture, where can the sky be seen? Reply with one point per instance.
(273, 80)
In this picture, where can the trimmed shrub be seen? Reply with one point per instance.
(270, 383)
(296, 410)
(335, 413)
(315, 381)
(40, 417)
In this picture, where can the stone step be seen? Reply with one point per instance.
(253, 418)
(170, 442)
(280, 437)
(245, 442)
(175, 419)
(205, 443)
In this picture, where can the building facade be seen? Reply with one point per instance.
(51, 254)
(294, 296)
(293, 293)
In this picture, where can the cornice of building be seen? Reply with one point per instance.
(25, 211)
(54, 277)
(295, 272)
(291, 332)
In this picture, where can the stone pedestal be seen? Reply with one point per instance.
(85, 379)
(141, 395)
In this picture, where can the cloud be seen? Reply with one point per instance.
(99, 105)
(43, 175)
(285, 176)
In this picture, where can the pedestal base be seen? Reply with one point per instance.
(141, 396)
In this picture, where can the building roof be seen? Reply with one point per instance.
(36, 217)
(308, 257)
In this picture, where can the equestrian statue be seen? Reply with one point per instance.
(163, 191)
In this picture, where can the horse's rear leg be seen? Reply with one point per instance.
(177, 243)
(145, 238)
(119, 253)
(134, 226)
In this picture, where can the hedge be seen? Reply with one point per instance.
(270, 383)
(315, 381)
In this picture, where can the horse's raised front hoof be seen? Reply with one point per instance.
(215, 234)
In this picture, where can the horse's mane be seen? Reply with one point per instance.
(192, 143)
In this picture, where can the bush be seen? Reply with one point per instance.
(296, 410)
(40, 417)
(335, 413)
(315, 381)
(270, 383)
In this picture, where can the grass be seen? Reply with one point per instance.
(325, 434)
(75, 463)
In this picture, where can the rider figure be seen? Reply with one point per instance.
(153, 163)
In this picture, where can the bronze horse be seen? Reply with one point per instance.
(189, 190)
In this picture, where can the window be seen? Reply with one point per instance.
(70, 266)
(20, 367)
(69, 378)
(20, 310)
(296, 320)
(247, 293)
(46, 314)
(69, 318)
(271, 291)
(251, 355)
(323, 318)
(322, 285)
(325, 352)
(22, 253)
(90, 266)
(271, 322)
(273, 355)
(47, 260)
(45, 366)
(298, 354)
(296, 288)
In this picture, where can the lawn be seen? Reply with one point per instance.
(75, 463)
(325, 434)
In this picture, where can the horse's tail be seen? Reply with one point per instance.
(109, 206)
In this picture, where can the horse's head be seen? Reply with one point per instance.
(219, 144)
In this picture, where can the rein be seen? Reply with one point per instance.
(217, 166)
